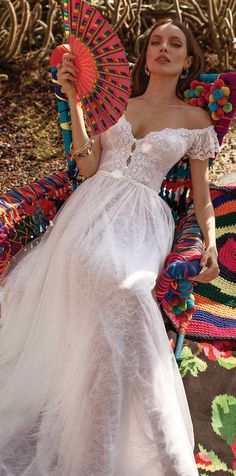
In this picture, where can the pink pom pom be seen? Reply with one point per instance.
(201, 102)
(194, 84)
(219, 83)
(174, 301)
(222, 101)
(193, 101)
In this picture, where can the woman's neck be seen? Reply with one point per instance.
(161, 90)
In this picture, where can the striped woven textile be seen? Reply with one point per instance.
(215, 314)
(26, 212)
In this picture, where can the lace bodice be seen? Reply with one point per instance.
(147, 160)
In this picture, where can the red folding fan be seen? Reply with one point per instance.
(103, 81)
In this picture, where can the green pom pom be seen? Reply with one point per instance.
(198, 90)
(227, 107)
(182, 306)
(186, 93)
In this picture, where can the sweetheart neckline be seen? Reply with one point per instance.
(161, 130)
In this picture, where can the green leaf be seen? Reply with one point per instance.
(227, 362)
(191, 363)
(223, 418)
(217, 464)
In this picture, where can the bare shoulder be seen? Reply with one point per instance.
(198, 117)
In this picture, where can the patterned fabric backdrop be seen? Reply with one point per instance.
(208, 372)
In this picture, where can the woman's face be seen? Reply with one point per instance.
(167, 51)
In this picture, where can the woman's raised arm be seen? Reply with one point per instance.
(67, 77)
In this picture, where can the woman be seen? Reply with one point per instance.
(89, 383)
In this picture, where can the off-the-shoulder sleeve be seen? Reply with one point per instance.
(205, 144)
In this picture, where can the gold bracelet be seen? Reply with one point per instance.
(82, 152)
(87, 153)
(84, 146)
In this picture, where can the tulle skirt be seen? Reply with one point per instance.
(89, 383)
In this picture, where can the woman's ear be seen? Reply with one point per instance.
(189, 61)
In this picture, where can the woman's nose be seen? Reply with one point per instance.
(163, 47)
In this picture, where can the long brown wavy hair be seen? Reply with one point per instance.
(139, 78)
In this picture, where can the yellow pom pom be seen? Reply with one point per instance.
(211, 98)
(214, 117)
(225, 90)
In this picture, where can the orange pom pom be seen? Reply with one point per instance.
(222, 101)
(219, 113)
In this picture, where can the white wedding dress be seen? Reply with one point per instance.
(89, 383)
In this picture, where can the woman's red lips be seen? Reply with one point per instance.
(162, 58)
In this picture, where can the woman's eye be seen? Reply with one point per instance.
(172, 44)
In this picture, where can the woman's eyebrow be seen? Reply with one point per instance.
(172, 37)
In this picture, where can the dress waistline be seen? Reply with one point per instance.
(119, 176)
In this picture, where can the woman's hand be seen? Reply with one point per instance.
(209, 259)
(67, 76)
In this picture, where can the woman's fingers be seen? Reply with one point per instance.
(69, 69)
(66, 72)
(204, 258)
(67, 57)
(206, 276)
(67, 76)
